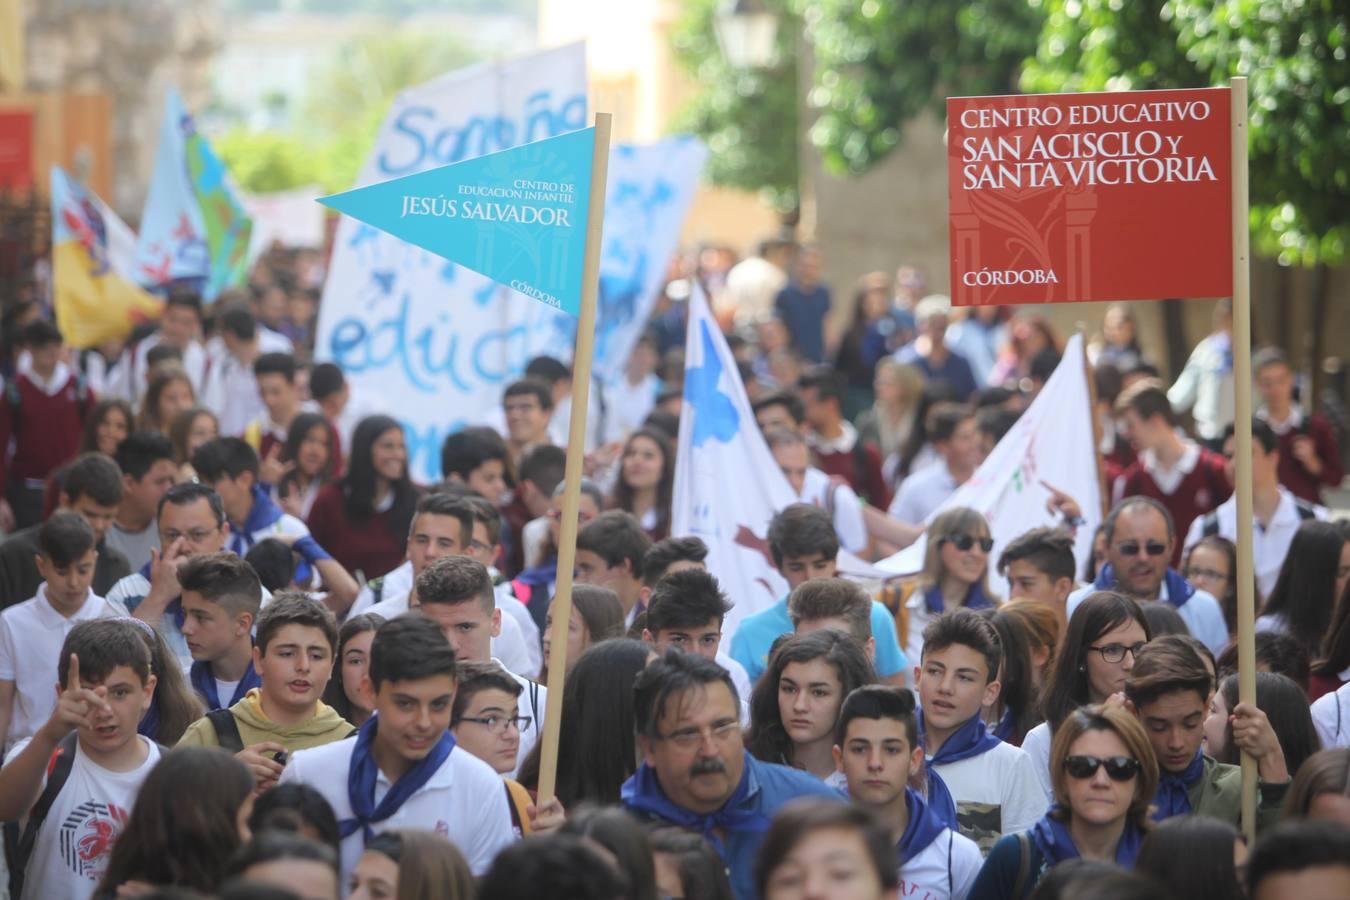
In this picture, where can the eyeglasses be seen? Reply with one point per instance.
(1118, 768)
(690, 738)
(1205, 575)
(1131, 548)
(500, 724)
(1114, 653)
(195, 536)
(964, 542)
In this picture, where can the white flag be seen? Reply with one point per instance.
(1051, 444)
(727, 483)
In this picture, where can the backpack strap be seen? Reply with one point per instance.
(1023, 866)
(517, 799)
(58, 773)
(227, 730)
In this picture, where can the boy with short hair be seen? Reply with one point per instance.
(610, 549)
(1039, 565)
(804, 545)
(297, 639)
(528, 407)
(149, 469)
(486, 721)
(878, 748)
(456, 593)
(524, 656)
(992, 783)
(32, 632)
(478, 458)
(76, 780)
(1169, 690)
(230, 466)
(834, 603)
(221, 598)
(42, 410)
(403, 770)
(280, 395)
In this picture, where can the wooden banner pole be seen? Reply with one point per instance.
(576, 452)
(1242, 439)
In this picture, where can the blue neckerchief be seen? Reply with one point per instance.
(1052, 838)
(923, 828)
(940, 801)
(264, 514)
(1172, 798)
(643, 793)
(971, 739)
(1006, 729)
(1179, 590)
(363, 771)
(149, 725)
(975, 599)
(541, 575)
(175, 607)
(204, 681)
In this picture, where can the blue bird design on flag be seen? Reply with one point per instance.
(715, 415)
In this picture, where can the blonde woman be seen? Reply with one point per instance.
(955, 574)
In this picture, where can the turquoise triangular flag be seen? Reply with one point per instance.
(517, 216)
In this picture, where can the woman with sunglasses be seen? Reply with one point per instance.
(1098, 652)
(1104, 775)
(955, 574)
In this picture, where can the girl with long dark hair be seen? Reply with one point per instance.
(1285, 705)
(1017, 709)
(311, 452)
(646, 481)
(107, 424)
(351, 664)
(1093, 662)
(795, 704)
(363, 518)
(1310, 582)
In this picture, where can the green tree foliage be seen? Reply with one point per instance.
(747, 118)
(1294, 53)
(340, 117)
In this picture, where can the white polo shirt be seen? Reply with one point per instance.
(463, 801)
(31, 635)
(1331, 716)
(1270, 545)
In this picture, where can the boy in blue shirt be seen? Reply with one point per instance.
(804, 545)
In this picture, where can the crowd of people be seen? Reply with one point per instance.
(244, 654)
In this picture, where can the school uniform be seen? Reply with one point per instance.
(1331, 717)
(451, 792)
(936, 863)
(31, 636)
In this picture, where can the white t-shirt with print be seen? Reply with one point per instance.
(76, 840)
(996, 793)
(944, 870)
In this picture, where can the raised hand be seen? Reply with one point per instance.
(76, 706)
(271, 470)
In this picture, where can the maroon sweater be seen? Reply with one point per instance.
(46, 429)
(1202, 490)
(861, 468)
(368, 546)
(1300, 482)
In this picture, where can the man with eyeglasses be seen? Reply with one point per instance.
(695, 771)
(1139, 540)
(192, 523)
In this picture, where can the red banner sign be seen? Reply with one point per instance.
(1072, 197)
(16, 150)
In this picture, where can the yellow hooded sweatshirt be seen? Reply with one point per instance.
(325, 727)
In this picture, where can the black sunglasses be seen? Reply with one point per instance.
(1131, 548)
(1118, 768)
(964, 542)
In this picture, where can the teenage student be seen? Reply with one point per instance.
(406, 755)
(877, 748)
(221, 598)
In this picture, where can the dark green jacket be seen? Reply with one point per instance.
(1218, 793)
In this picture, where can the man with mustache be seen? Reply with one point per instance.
(695, 771)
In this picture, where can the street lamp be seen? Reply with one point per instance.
(747, 32)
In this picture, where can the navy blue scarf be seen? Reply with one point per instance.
(204, 681)
(1052, 838)
(363, 771)
(923, 827)
(1179, 590)
(940, 801)
(975, 599)
(971, 739)
(1172, 798)
(642, 792)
